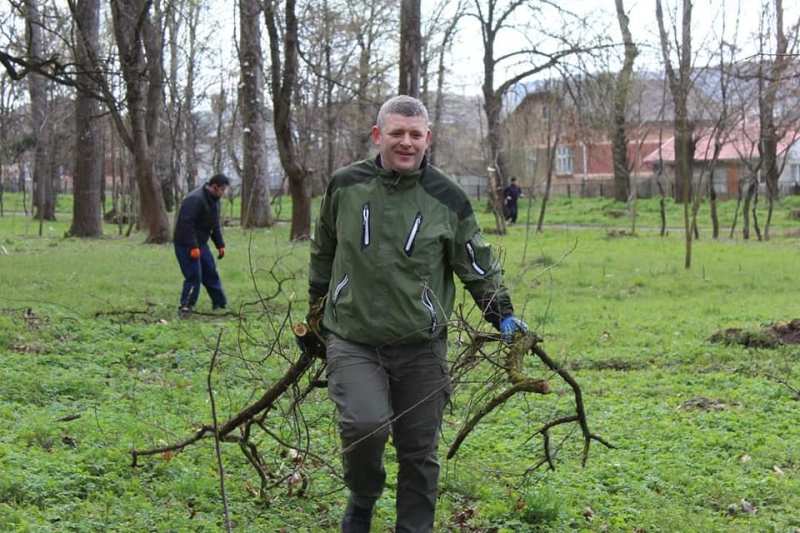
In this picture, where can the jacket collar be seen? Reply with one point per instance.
(400, 180)
(208, 196)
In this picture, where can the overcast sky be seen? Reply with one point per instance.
(707, 25)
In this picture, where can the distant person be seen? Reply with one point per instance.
(391, 233)
(198, 219)
(511, 195)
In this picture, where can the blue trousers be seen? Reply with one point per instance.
(199, 271)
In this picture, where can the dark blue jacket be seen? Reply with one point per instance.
(198, 219)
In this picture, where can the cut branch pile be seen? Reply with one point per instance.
(509, 376)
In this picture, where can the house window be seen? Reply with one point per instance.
(564, 158)
(719, 177)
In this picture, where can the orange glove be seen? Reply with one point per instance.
(194, 253)
(221, 253)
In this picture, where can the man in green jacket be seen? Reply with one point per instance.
(391, 232)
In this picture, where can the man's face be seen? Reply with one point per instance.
(218, 191)
(402, 141)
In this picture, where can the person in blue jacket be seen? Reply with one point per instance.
(198, 219)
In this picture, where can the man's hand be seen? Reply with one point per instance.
(511, 325)
(220, 252)
(194, 253)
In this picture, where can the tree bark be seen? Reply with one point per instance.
(256, 211)
(87, 216)
(410, 47)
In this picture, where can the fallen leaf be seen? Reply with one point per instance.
(777, 470)
(745, 458)
(588, 513)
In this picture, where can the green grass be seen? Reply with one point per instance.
(621, 313)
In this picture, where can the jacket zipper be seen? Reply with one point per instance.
(365, 236)
(475, 266)
(337, 291)
(426, 301)
(412, 234)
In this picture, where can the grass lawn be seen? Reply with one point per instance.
(94, 361)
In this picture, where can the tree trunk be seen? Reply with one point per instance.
(712, 202)
(622, 177)
(283, 84)
(752, 184)
(410, 47)
(139, 45)
(87, 216)
(662, 207)
(768, 145)
(680, 84)
(42, 184)
(256, 211)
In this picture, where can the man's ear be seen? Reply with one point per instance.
(376, 135)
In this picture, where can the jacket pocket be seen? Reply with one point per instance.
(337, 292)
(427, 302)
(412, 235)
(365, 229)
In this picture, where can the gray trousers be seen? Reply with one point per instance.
(400, 388)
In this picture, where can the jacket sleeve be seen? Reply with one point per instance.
(184, 227)
(216, 231)
(323, 248)
(476, 266)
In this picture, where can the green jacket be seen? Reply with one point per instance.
(384, 252)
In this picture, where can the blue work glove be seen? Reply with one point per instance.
(510, 325)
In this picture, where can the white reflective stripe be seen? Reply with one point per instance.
(426, 301)
(339, 287)
(413, 233)
(365, 225)
(475, 266)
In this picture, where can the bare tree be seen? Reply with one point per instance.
(622, 175)
(680, 84)
(139, 41)
(87, 220)
(494, 17)
(43, 194)
(256, 209)
(769, 84)
(283, 71)
(193, 12)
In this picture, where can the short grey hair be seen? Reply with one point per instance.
(406, 106)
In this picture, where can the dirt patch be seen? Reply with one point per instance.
(787, 332)
(617, 233)
(620, 365)
(615, 213)
(771, 336)
(749, 339)
(701, 403)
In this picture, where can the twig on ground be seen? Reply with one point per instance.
(220, 468)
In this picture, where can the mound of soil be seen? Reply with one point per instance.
(771, 336)
(787, 332)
